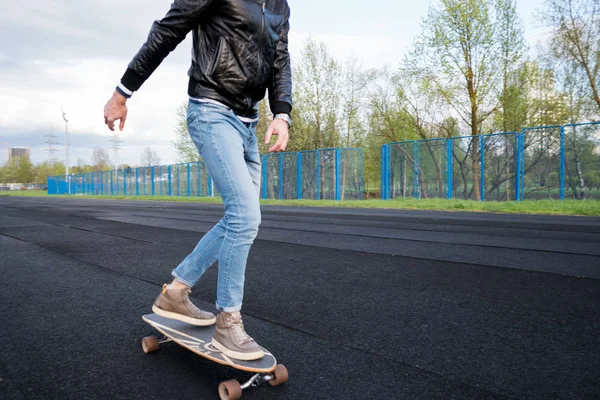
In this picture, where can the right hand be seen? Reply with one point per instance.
(115, 109)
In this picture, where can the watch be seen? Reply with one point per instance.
(284, 117)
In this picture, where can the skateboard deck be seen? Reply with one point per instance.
(199, 340)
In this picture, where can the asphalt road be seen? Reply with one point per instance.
(358, 304)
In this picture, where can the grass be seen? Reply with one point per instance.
(567, 207)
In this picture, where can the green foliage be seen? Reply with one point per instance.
(23, 171)
(184, 146)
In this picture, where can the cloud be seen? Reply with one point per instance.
(373, 51)
(70, 54)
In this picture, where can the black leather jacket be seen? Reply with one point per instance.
(240, 50)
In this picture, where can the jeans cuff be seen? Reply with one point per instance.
(230, 309)
(188, 284)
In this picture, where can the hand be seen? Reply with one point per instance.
(279, 128)
(115, 109)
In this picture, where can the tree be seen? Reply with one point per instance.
(46, 169)
(459, 52)
(183, 143)
(100, 159)
(575, 29)
(512, 51)
(24, 170)
(8, 172)
(317, 98)
(149, 157)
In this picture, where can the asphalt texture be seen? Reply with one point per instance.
(358, 304)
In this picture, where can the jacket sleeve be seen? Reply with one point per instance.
(164, 36)
(280, 89)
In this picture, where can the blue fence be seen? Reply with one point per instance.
(550, 162)
(335, 174)
(325, 174)
(190, 179)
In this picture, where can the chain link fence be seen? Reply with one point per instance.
(554, 162)
(332, 174)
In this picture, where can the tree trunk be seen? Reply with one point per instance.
(580, 176)
(475, 132)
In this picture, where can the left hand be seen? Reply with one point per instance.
(279, 128)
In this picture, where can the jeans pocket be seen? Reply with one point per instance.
(194, 131)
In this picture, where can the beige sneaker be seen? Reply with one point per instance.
(231, 339)
(176, 304)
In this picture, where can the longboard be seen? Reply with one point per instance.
(198, 339)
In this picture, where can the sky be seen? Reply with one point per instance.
(71, 54)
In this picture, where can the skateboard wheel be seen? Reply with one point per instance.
(150, 344)
(230, 390)
(280, 375)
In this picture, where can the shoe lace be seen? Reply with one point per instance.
(186, 299)
(239, 330)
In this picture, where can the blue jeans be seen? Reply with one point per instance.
(229, 148)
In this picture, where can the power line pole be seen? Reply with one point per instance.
(115, 148)
(64, 115)
(51, 142)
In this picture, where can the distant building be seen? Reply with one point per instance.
(16, 154)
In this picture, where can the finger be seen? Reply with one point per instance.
(111, 125)
(285, 143)
(122, 123)
(279, 144)
(275, 146)
(268, 134)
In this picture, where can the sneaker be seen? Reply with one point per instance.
(231, 339)
(176, 304)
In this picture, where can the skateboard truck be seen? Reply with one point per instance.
(232, 389)
(257, 380)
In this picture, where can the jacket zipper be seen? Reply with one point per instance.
(263, 17)
(260, 42)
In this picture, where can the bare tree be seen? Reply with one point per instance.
(100, 159)
(149, 157)
(575, 26)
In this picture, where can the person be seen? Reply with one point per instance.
(240, 51)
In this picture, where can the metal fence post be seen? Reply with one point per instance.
(280, 176)
(169, 180)
(416, 169)
(518, 167)
(189, 172)
(264, 177)
(338, 188)
(318, 191)
(482, 167)
(210, 187)
(137, 182)
(362, 163)
(178, 179)
(299, 176)
(383, 172)
(199, 169)
(152, 177)
(562, 162)
(124, 182)
(450, 170)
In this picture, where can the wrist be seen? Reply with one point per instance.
(118, 97)
(284, 117)
(123, 90)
